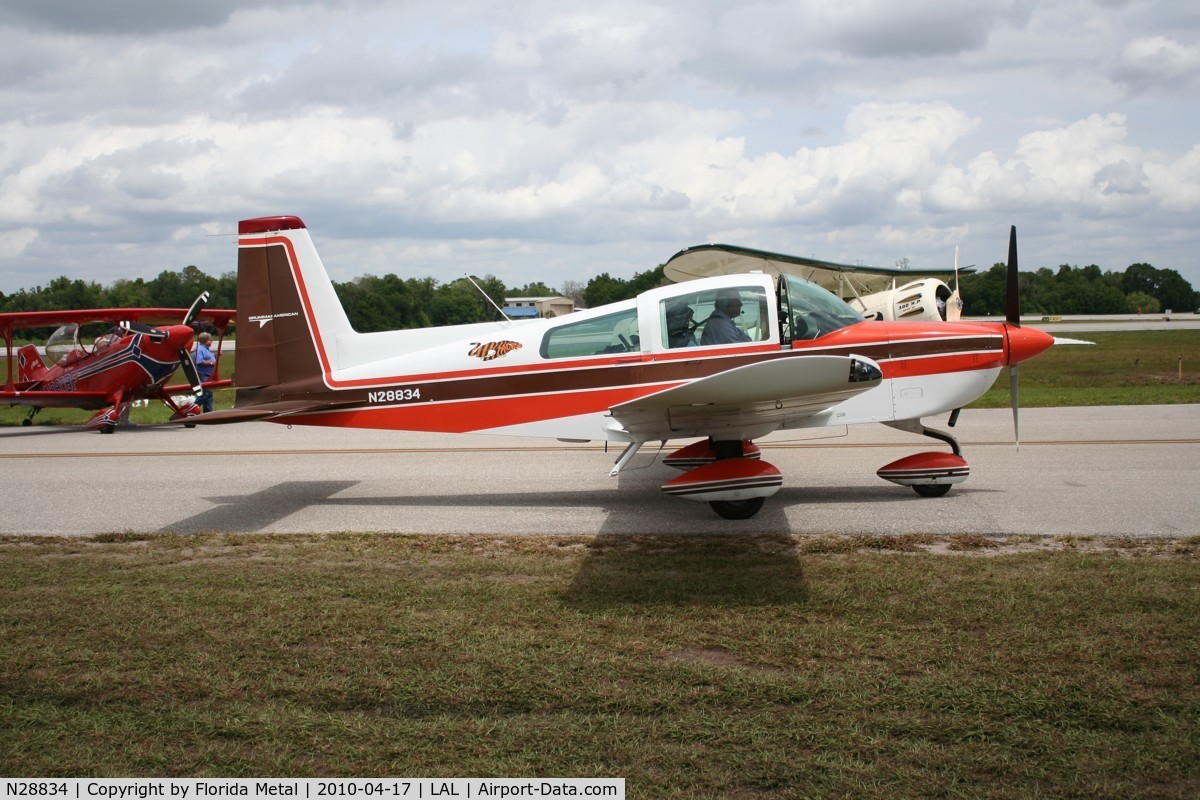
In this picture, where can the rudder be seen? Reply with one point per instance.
(289, 318)
(29, 364)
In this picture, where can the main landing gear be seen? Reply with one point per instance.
(930, 474)
(728, 475)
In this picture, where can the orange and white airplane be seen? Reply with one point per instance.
(725, 359)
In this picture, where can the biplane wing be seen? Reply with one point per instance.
(710, 260)
(24, 320)
(55, 399)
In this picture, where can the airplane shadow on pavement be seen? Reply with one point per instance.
(251, 513)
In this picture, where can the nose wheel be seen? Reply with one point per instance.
(930, 474)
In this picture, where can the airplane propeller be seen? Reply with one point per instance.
(159, 335)
(185, 358)
(1012, 316)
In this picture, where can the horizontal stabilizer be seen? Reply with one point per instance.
(283, 408)
(228, 415)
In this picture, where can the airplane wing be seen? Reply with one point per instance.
(707, 260)
(775, 393)
(43, 399)
(20, 320)
(186, 388)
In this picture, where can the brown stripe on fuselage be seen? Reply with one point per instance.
(549, 378)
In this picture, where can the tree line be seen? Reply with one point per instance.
(375, 303)
(1081, 290)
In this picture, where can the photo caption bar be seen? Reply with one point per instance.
(310, 788)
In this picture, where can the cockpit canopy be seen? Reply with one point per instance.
(67, 343)
(811, 311)
(63, 344)
(729, 310)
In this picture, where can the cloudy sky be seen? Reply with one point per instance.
(557, 140)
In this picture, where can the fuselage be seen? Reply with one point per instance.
(560, 377)
(115, 367)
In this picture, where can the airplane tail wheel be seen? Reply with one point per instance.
(738, 509)
(931, 489)
(26, 422)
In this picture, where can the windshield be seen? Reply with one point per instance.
(814, 311)
(62, 344)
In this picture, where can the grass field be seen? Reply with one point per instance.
(1121, 368)
(694, 667)
(724, 667)
(1126, 368)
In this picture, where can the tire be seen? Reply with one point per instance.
(932, 489)
(738, 509)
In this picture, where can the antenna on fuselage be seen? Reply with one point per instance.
(507, 319)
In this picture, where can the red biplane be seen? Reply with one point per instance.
(726, 359)
(131, 359)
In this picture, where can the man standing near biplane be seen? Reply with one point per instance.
(205, 364)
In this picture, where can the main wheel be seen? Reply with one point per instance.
(931, 489)
(738, 509)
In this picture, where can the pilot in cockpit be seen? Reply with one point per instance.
(681, 326)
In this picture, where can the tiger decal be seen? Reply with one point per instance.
(486, 351)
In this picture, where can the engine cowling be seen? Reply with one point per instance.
(925, 299)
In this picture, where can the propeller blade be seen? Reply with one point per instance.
(1012, 389)
(145, 330)
(189, 369)
(1012, 316)
(197, 306)
(1012, 294)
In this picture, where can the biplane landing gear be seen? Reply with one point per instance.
(929, 474)
(33, 412)
(731, 477)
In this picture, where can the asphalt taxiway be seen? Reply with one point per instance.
(1105, 471)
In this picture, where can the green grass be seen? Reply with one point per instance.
(1125, 368)
(732, 666)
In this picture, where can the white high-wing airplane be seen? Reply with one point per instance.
(879, 293)
(726, 359)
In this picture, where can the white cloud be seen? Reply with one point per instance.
(1159, 62)
(425, 138)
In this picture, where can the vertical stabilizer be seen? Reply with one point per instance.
(289, 318)
(29, 365)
